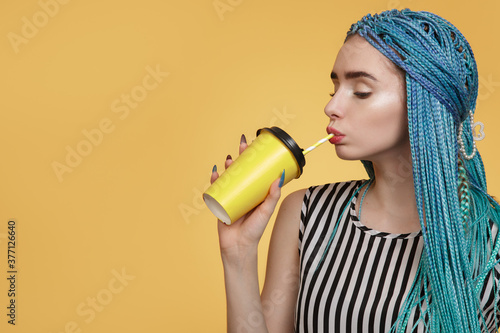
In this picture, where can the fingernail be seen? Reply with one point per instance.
(229, 157)
(214, 169)
(243, 139)
(282, 179)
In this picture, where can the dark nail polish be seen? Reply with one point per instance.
(214, 169)
(229, 157)
(282, 179)
(243, 139)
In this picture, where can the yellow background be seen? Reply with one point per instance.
(133, 205)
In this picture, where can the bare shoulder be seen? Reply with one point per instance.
(284, 238)
(287, 223)
(291, 206)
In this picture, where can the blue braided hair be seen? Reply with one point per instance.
(456, 213)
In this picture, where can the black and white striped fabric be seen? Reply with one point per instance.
(365, 276)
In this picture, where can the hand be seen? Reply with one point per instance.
(245, 233)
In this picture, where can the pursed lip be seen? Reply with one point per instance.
(338, 136)
(331, 130)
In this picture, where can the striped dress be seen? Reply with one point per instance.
(363, 280)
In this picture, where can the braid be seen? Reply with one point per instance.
(455, 211)
(463, 193)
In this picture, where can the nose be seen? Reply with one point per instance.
(333, 108)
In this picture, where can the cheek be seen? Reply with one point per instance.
(388, 118)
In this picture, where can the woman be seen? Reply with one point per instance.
(415, 247)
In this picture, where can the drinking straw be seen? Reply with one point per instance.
(328, 137)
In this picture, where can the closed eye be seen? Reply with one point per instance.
(362, 94)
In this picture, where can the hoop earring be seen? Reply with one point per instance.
(461, 141)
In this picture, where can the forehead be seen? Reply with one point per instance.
(358, 55)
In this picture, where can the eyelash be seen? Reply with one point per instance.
(361, 95)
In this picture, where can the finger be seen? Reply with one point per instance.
(228, 161)
(241, 219)
(269, 204)
(214, 174)
(243, 143)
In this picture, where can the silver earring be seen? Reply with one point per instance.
(461, 141)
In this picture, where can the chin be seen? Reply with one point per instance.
(349, 155)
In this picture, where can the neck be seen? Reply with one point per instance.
(390, 203)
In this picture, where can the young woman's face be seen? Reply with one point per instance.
(368, 110)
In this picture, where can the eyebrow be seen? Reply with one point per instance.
(353, 75)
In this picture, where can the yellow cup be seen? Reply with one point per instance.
(245, 184)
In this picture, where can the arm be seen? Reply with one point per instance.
(281, 285)
(239, 245)
(273, 311)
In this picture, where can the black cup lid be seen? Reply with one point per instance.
(289, 143)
